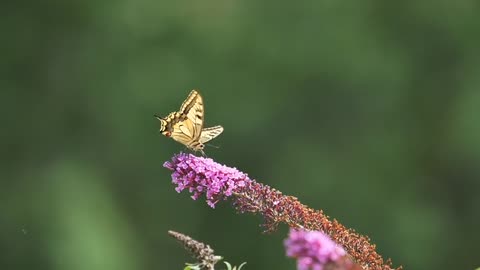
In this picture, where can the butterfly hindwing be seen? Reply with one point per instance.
(210, 133)
(181, 133)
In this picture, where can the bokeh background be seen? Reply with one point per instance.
(368, 110)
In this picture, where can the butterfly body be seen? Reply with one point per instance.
(186, 125)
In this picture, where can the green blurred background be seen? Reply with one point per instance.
(368, 110)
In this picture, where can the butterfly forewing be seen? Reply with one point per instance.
(192, 107)
(171, 119)
(189, 102)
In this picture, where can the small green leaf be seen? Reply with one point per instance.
(192, 266)
(241, 265)
(229, 266)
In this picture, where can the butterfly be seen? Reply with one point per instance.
(186, 125)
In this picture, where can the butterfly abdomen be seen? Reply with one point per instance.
(196, 145)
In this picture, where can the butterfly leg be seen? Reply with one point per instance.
(212, 145)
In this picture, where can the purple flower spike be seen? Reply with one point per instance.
(204, 176)
(313, 249)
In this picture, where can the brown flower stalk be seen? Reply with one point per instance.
(200, 251)
(277, 208)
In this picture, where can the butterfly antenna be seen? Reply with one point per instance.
(158, 117)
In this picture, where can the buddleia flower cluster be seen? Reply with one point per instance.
(203, 176)
(315, 250)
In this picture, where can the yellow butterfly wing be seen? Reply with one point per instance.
(182, 132)
(189, 102)
(192, 109)
(187, 129)
(210, 133)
